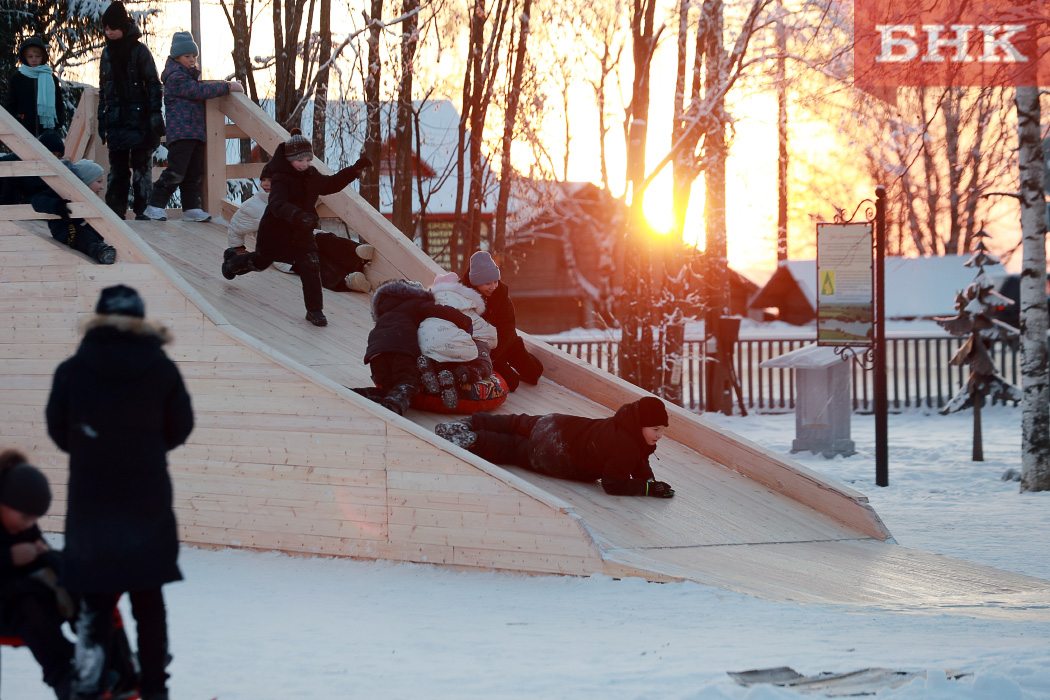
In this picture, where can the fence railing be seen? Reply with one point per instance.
(917, 371)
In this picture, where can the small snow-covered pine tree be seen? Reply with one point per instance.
(975, 322)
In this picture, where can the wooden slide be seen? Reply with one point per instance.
(285, 457)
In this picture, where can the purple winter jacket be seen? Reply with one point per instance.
(184, 96)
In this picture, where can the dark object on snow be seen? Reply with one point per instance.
(868, 681)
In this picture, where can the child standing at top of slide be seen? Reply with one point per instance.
(184, 96)
(34, 96)
(130, 122)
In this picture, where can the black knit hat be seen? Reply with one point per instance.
(24, 487)
(52, 141)
(268, 170)
(121, 299)
(297, 146)
(651, 412)
(29, 43)
(116, 17)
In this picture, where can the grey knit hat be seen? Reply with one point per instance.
(483, 269)
(297, 146)
(88, 171)
(182, 44)
(121, 299)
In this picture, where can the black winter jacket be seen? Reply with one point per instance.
(118, 406)
(286, 230)
(130, 92)
(398, 308)
(499, 311)
(587, 449)
(21, 102)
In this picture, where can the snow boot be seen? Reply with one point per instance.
(357, 282)
(457, 433)
(234, 264)
(365, 251)
(398, 398)
(449, 393)
(103, 253)
(317, 318)
(427, 375)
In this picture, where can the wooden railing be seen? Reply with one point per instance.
(918, 373)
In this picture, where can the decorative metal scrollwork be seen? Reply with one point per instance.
(866, 358)
(869, 212)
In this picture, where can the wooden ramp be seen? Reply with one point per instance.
(285, 457)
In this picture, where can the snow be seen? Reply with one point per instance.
(260, 626)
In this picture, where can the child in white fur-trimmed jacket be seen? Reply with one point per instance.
(451, 356)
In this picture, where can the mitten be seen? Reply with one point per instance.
(62, 209)
(304, 219)
(363, 163)
(156, 124)
(658, 489)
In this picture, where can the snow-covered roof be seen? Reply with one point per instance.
(915, 287)
(438, 144)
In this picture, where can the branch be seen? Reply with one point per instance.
(1015, 195)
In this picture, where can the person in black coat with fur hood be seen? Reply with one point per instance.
(286, 231)
(614, 450)
(398, 307)
(118, 406)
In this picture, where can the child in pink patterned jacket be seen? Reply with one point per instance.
(184, 96)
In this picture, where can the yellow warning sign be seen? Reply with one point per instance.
(827, 283)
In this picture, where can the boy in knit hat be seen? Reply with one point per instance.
(77, 233)
(130, 122)
(510, 358)
(184, 96)
(34, 95)
(30, 607)
(286, 232)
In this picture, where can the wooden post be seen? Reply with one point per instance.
(214, 190)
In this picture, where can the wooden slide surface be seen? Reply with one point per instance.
(284, 457)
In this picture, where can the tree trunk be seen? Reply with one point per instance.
(373, 132)
(324, 56)
(1035, 403)
(506, 168)
(978, 438)
(404, 167)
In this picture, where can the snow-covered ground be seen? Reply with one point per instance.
(262, 626)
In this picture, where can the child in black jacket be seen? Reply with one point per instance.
(30, 605)
(286, 232)
(77, 233)
(398, 307)
(34, 95)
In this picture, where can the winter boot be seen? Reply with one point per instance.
(357, 282)
(457, 433)
(317, 318)
(233, 264)
(398, 398)
(365, 251)
(449, 393)
(103, 253)
(427, 375)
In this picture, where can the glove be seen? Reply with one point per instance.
(62, 209)
(658, 489)
(156, 124)
(363, 163)
(307, 220)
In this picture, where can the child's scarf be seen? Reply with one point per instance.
(45, 94)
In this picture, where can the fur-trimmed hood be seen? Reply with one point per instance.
(115, 345)
(391, 294)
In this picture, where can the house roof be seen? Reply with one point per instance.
(438, 145)
(915, 287)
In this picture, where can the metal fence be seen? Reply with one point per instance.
(917, 371)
